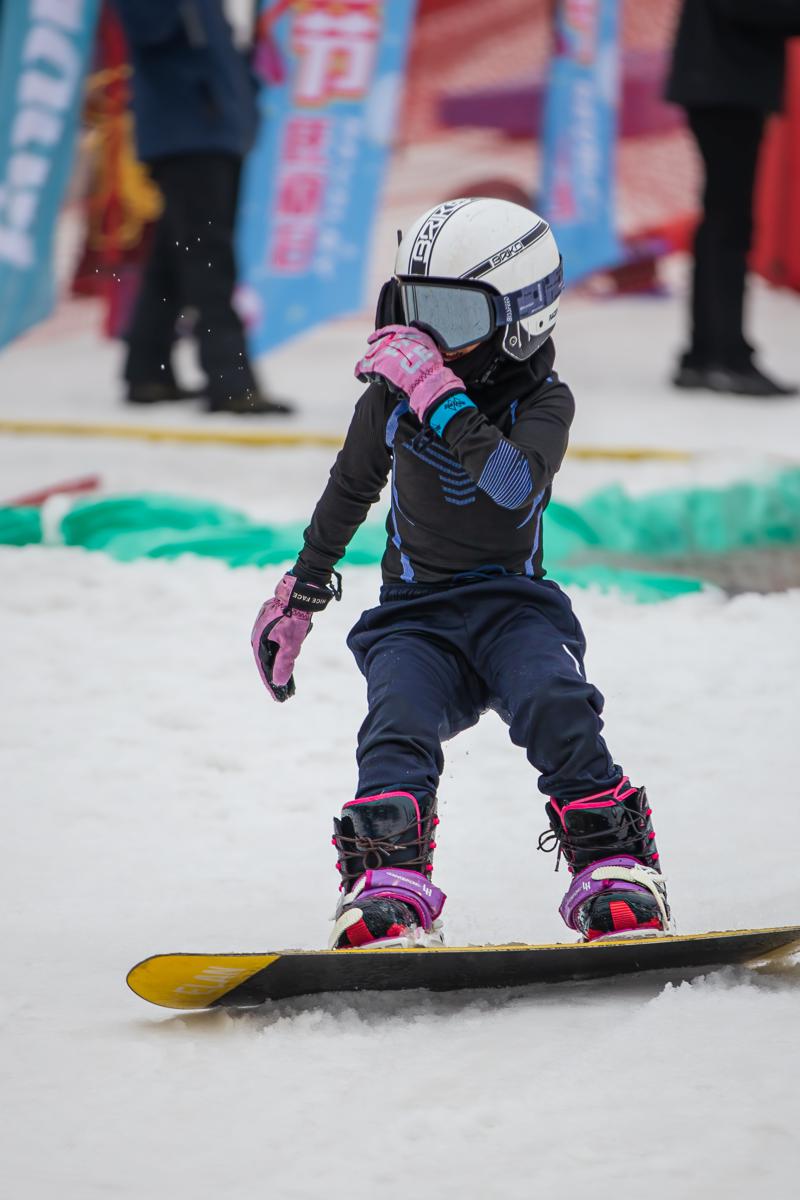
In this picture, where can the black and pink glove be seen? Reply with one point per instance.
(281, 628)
(409, 361)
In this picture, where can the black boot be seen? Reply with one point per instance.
(385, 846)
(609, 844)
(250, 403)
(746, 380)
(160, 391)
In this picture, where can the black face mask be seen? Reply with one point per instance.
(476, 364)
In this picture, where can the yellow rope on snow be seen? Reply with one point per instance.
(273, 437)
(152, 433)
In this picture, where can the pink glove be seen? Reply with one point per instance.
(281, 627)
(410, 362)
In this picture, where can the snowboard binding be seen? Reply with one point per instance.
(385, 846)
(609, 844)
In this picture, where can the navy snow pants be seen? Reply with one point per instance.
(436, 658)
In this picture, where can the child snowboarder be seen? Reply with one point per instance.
(466, 619)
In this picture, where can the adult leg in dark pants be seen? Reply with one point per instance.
(728, 140)
(719, 355)
(148, 367)
(193, 266)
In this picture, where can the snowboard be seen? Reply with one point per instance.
(198, 981)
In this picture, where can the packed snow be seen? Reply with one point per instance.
(156, 799)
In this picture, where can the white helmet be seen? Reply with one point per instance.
(469, 267)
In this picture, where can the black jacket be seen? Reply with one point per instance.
(731, 53)
(469, 501)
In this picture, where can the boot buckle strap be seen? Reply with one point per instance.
(644, 876)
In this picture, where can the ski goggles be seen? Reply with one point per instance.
(460, 313)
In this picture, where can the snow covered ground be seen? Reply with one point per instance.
(157, 800)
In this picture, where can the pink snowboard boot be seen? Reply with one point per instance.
(385, 846)
(609, 844)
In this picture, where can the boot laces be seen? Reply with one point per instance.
(550, 841)
(375, 851)
(570, 844)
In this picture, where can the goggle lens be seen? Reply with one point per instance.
(457, 316)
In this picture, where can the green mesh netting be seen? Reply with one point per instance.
(671, 524)
(686, 521)
(20, 526)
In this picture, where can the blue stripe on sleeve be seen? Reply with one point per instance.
(447, 409)
(506, 476)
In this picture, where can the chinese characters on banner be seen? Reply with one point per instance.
(332, 73)
(580, 131)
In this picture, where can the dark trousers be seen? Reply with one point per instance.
(728, 140)
(192, 265)
(435, 660)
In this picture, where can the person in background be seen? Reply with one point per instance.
(195, 115)
(727, 72)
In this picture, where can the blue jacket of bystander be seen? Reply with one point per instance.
(193, 91)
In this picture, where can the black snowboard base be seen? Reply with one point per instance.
(198, 981)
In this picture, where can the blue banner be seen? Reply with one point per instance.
(44, 45)
(580, 133)
(333, 74)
